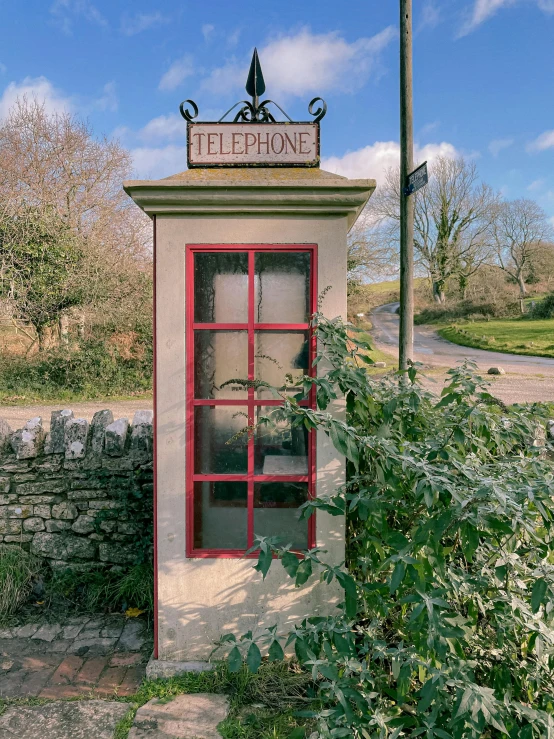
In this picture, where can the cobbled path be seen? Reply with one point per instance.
(96, 657)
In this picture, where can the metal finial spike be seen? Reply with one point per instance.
(255, 85)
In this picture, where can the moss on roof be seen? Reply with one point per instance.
(251, 174)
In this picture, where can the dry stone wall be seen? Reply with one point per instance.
(80, 495)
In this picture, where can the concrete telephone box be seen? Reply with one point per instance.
(241, 254)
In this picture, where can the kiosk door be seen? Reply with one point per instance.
(248, 330)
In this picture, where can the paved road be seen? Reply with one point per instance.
(433, 351)
(527, 379)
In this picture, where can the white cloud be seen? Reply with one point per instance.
(66, 11)
(373, 161)
(108, 100)
(35, 87)
(308, 63)
(484, 9)
(154, 163)
(207, 31)
(169, 127)
(120, 132)
(551, 221)
(233, 38)
(178, 71)
(536, 185)
(226, 78)
(131, 25)
(497, 145)
(542, 142)
(430, 15)
(429, 128)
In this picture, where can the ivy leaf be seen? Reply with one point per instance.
(538, 594)
(276, 653)
(253, 657)
(234, 660)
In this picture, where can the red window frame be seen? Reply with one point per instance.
(251, 401)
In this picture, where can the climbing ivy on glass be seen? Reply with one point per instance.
(445, 629)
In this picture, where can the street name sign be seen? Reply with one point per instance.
(417, 179)
(253, 144)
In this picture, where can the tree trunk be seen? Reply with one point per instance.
(522, 286)
(462, 281)
(438, 292)
(81, 325)
(43, 333)
(63, 326)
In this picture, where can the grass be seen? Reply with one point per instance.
(513, 335)
(17, 572)
(376, 354)
(262, 705)
(59, 395)
(390, 286)
(99, 590)
(92, 591)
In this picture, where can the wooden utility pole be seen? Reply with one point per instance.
(406, 337)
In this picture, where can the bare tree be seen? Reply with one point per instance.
(452, 217)
(55, 171)
(372, 251)
(519, 228)
(541, 265)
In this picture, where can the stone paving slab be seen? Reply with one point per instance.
(37, 661)
(63, 720)
(185, 717)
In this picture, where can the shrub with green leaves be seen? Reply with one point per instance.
(543, 308)
(446, 627)
(88, 370)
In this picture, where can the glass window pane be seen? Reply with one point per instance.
(277, 354)
(219, 447)
(276, 512)
(220, 515)
(282, 287)
(279, 448)
(220, 356)
(221, 287)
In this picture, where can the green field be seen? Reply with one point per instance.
(391, 286)
(512, 335)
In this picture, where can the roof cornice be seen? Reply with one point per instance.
(270, 192)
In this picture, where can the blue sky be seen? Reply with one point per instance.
(483, 75)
